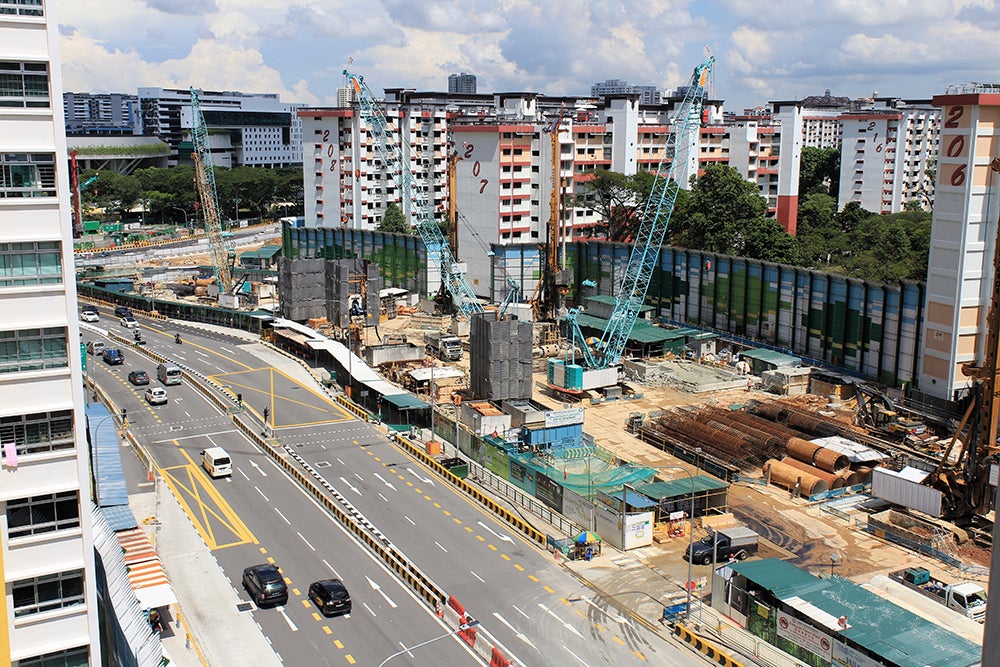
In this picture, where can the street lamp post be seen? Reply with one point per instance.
(178, 208)
(690, 580)
(461, 628)
(833, 563)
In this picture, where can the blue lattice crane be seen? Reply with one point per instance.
(438, 250)
(607, 351)
(205, 179)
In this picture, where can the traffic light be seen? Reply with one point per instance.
(239, 400)
(124, 415)
(267, 413)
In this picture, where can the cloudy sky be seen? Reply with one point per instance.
(766, 50)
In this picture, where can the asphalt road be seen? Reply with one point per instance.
(537, 611)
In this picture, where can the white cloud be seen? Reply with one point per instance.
(885, 50)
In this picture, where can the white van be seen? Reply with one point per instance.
(216, 462)
(95, 347)
(168, 373)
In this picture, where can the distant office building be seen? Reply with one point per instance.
(647, 94)
(462, 83)
(101, 114)
(252, 129)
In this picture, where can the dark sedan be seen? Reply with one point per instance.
(330, 596)
(138, 377)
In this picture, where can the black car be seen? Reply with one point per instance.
(330, 596)
(138, 377)
(123, 311)
(265, 585)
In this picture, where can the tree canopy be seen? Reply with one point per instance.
(618, 199)
(393, 220)
(819, 171)
(169, 194)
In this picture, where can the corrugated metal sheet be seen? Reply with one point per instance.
(106, 456)
(680, 487)
(145, 571)
(119, 517)
(899, 489)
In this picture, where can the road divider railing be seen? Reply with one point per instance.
(352, 520)
(503, 513)
(706, 647)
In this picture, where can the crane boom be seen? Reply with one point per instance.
(652, 228)
(420, 210)
(205, 178)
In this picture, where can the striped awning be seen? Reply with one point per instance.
(145, 571)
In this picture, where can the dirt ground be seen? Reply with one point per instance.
(792, 528)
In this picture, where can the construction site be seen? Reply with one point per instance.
(642, 430)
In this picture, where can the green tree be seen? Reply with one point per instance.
(618, 199)
(393, 220)
(818, 233)
(819, 171)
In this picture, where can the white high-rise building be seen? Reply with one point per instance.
(49, 613)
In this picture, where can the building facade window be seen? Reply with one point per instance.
(43, 514)
(52, 591)
(23, 84)
(31, 263)
(36, 433)
(74, 657)
(33, 349)
(27, 175)
(22, 7)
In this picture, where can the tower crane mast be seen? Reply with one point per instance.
(204, 171)
(452, 276)
(659, 207)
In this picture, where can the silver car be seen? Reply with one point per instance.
(156, 395)
(129, 322)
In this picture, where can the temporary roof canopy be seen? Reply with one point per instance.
(876, 624)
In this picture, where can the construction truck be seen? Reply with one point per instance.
(966, 598)
(443, 346)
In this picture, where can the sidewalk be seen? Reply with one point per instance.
(220, 634)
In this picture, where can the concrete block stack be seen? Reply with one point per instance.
(500, 358)
(301, 288)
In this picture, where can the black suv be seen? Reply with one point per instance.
(265, 585)
(123, 311)
(330, 596)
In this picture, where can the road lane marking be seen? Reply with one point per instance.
(204, 505)
(294, 628)
(282, 516)
(350, 486)
(201, 435)
(517, 633)
(365, 605)
(383, 497)
(378, 589)
(201, 353)
(575, 656)
(497, 535)
(305, 540)
(422, 479)
(245, 476)
(331, 569)
(477, 576)
(441, 547)
(340, 461)
(262, 494)
(389, 484)
(518, 609)
(556, 616)
(409, 519)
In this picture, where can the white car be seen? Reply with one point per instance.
(129, 322)
(156, 395)
(89, 316)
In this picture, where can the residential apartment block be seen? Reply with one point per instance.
(888, 155)
(50, 610)
(102, 113)
(252, 129)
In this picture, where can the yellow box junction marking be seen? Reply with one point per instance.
(216, 521)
